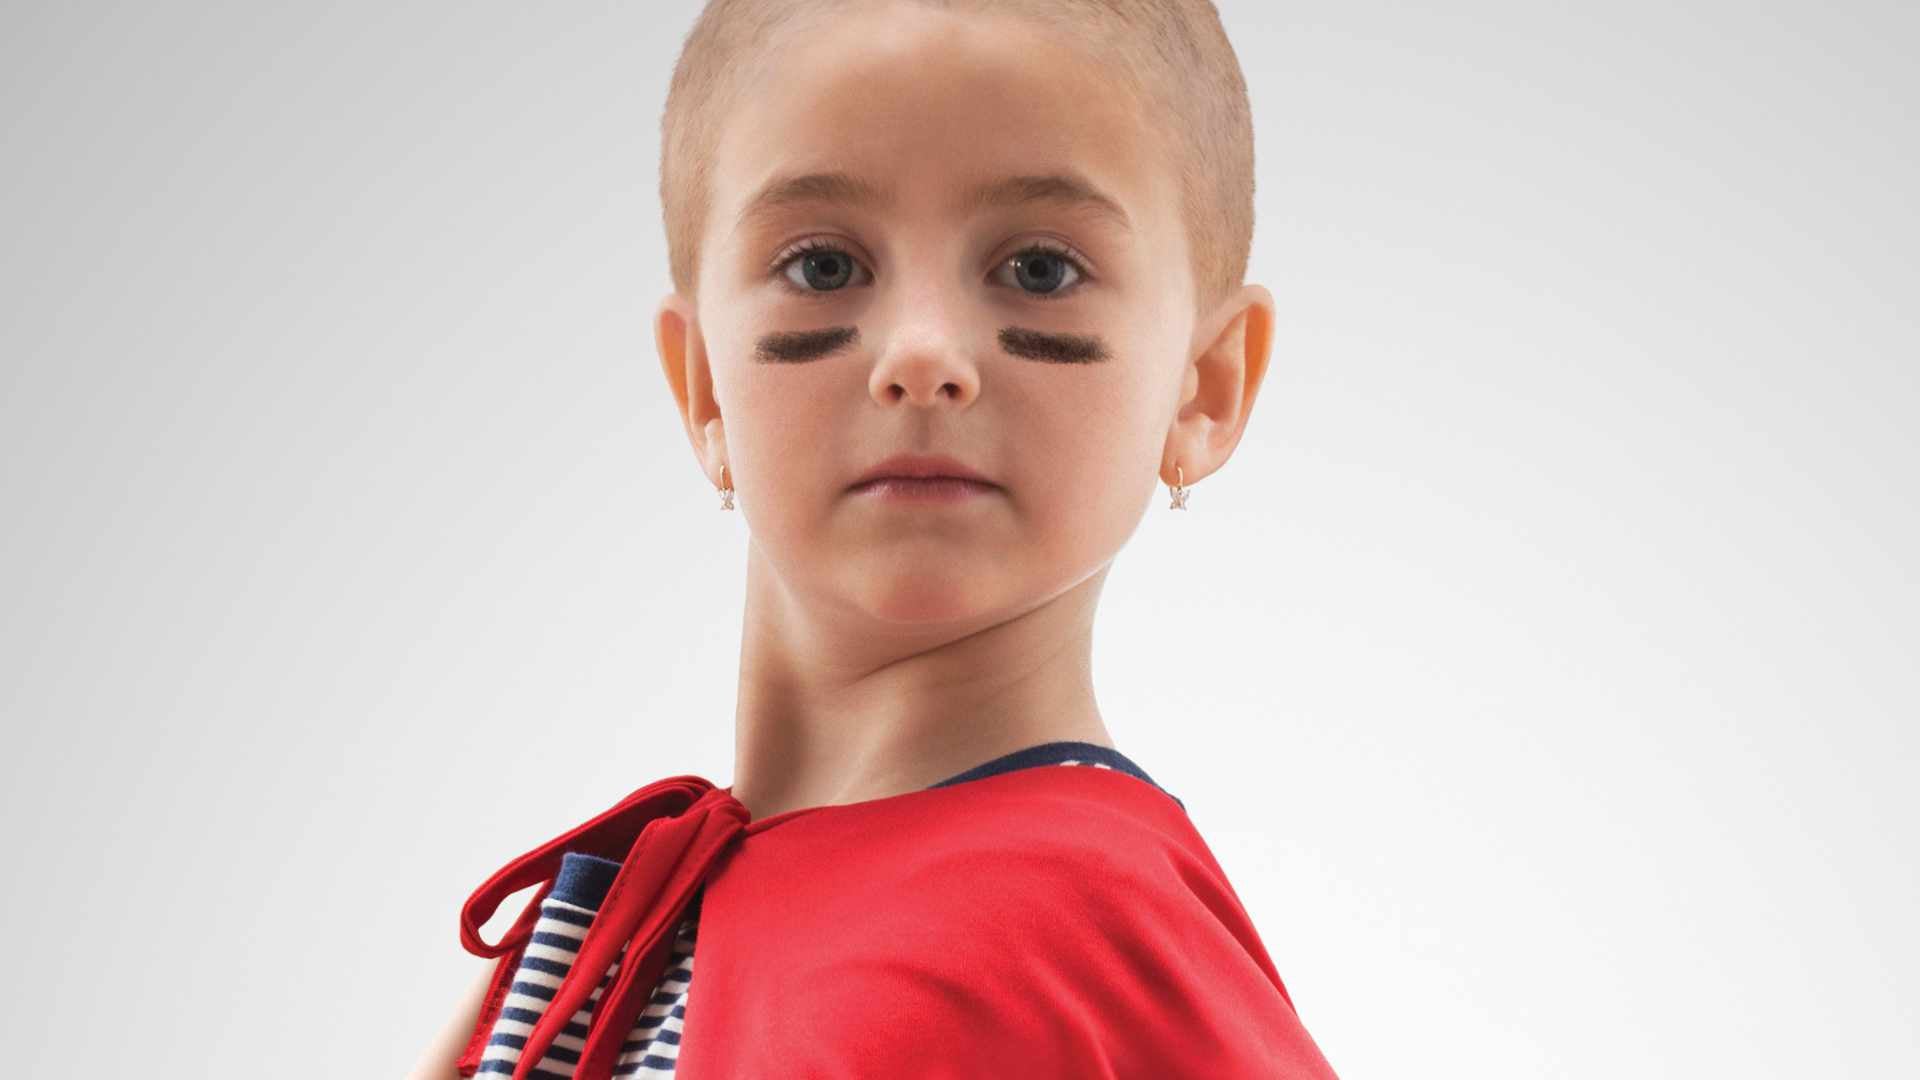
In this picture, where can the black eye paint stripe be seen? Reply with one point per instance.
(1053, 348)
(800, 345)
(796, 345)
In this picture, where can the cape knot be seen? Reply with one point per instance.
(667, 837)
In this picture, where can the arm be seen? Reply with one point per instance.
(437, 1063)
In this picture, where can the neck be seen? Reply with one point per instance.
(834, 708)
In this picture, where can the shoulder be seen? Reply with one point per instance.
(1088, 915)
(1067, 922)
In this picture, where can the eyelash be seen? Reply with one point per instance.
(813, 244)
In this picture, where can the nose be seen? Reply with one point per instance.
(926, 358)
(924, 375)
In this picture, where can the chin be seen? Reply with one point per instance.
(927, 600)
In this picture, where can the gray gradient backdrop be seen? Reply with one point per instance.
(1540, 668)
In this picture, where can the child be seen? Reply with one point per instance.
(954, 283)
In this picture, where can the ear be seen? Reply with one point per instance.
(1219, 385)
(683, 359)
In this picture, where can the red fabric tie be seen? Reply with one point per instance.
(666, 836)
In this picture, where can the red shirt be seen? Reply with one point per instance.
(1034, 922)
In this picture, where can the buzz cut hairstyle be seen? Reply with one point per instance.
(1172, 56)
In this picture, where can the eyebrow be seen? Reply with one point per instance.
(1065, 189)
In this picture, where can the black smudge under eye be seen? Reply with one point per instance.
(793, 346)
(796, 345)
(1054, 348)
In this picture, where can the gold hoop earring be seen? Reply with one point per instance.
(1179, 489)
(726, 490)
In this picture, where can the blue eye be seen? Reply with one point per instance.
(825, 268)
(1045, 265)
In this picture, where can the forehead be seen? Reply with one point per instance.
(906, 109)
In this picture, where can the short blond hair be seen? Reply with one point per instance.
(1172, 54)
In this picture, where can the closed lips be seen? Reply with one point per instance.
(909, 467)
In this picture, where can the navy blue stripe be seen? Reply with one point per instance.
(552, 939)
(584, 879)
(1057, 753)
(644, 1035)
(581, 919)
(556, 968)
(651, 1061)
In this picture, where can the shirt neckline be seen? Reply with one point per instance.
(1057, 752)
(1048, 753)
(584, 878)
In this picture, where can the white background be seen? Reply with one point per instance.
(1540, 668)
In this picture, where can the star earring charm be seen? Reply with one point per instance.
(1179, 489)
(726, 490)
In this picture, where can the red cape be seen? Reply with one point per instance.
(1043, 922)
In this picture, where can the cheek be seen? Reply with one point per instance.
(806, 432)
(1104, 415)
(781, 426)
(1089, 446)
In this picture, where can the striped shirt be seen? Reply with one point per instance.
(653, 1046)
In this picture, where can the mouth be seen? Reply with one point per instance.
(923, 475)
(932, 489)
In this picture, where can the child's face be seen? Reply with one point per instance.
(945, 347)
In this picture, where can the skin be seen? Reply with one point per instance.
(889, 646)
